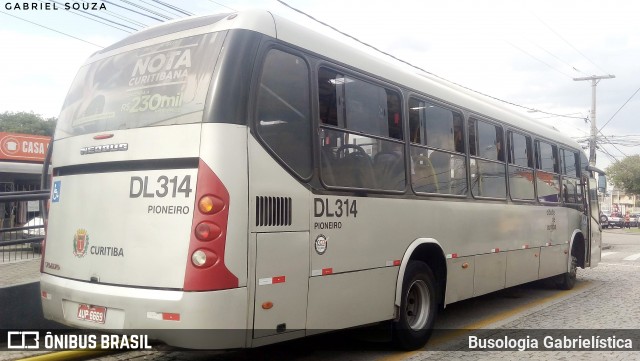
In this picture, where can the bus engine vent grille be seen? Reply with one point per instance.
(273, 211)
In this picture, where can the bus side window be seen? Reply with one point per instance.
(360, 133)
(570, 177)
(487, 159)
(437, 132)
(547, 178)
(520, 166)
(284, 110)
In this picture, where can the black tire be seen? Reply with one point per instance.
(567, 281)
(418, 307)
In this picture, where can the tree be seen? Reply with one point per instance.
(625, 174)
(27, 123)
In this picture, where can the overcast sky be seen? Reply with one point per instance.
(524, 52)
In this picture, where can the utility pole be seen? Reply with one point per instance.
(594, 131)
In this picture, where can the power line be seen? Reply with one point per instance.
(134, 11)
(126, 19)
(557, 58)
(542, 61)
(121, 17)
(612, 158)
(419, 68)
(625, 103)
(173, 7)
(80, 13)
(613, 145)
(217, 3)
(568, 43)
(159, 8)
(59, 32)
(146, 9)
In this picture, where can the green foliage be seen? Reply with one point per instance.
(625, 174)
(27, 123)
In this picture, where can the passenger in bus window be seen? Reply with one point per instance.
(389, 166)
(458, 140)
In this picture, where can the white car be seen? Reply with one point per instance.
(33, 232)
(616, 221)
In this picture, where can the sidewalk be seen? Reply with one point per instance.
(19, 272)
(629, 231)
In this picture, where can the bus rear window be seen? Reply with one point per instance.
(161, 84)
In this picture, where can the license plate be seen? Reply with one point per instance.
(97, 314)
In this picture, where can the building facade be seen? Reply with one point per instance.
(21, 160)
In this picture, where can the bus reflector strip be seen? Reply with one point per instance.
(321, 272)
(271, 280)
(495, 250)
(46, 295)
(525, 246)
(163, 316)
(170, 316)
(452, 255)
(393, 263)
(548, 244)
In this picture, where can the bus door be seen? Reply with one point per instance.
(595, 231)
(590, 219)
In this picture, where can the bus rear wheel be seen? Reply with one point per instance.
(417, 309)
(567, 281)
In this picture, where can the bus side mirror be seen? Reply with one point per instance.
(602, 183)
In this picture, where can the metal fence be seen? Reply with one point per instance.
(23, 242)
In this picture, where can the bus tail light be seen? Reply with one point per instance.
(203, 258)
(206, 269)
(210, 204)
(207, 231)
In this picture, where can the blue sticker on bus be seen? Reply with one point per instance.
(55, 195)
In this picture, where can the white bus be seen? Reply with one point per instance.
(244, 174)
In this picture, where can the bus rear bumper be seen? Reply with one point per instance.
(200, 320)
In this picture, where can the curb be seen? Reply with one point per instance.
(66, 355)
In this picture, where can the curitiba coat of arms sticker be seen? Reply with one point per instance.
(80, 243)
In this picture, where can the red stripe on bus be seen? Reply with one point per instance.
(170, 316)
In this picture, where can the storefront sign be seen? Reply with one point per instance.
(23, 147)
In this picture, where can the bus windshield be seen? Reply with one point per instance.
(161, 84)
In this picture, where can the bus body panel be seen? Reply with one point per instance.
(460, 273)
(151, 244)
(282, 275)
(522, 266)
(267, 178)
(350, 299)
(279, 224)
(159, 143)
(141, 309)
(553, 260)
(108, 222)
(489, 273)
(382, 229)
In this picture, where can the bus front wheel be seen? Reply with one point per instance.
(566, 281)
(418, 307)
